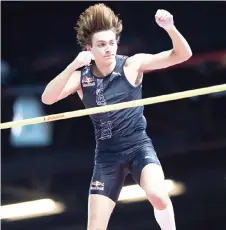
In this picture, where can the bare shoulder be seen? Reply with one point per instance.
(76, 74)
(132, 70)
(136, 60)
(136, 57)
(75, 79)
(132, 60)
(73, 83)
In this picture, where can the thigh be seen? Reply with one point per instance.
(106, 184)
(152, 179)
(153, 183)
(108, 176)
(144, 156)
(99, 211)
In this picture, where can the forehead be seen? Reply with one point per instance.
(104, 36)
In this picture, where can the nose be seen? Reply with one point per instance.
(107, 49)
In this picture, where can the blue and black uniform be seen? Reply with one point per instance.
(122, 145)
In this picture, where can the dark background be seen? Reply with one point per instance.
(38, 41)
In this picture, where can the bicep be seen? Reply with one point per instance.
(158, 61)
(72, 85)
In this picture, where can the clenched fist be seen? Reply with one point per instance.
(83, 59)
(164, 19)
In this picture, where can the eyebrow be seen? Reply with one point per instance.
(104, 41)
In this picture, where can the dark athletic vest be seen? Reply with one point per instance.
(99, 91)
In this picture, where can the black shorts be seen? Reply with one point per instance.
(111, 168)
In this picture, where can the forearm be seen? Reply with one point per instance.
(55, 87)
(180, 45)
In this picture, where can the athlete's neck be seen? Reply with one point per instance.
(103, 70)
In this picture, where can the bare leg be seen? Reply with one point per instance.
(152, 181)
(100, 209)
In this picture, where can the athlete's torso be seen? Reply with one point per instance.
(116, 125)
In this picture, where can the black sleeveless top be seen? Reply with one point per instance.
(113, 127)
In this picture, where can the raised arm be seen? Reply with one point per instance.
(67, 82)
(179, 53)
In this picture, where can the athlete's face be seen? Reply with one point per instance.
(104, 47)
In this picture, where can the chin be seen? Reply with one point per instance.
(109, 61)
(106, 60)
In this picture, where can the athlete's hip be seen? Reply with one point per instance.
(122, 143)
(122, 155)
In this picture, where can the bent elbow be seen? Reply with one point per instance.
(47, 101)
(189, 54)
(182, 56)
(186, 56)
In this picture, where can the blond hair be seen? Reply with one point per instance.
(97, 18)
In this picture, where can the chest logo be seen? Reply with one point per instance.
(88, 81)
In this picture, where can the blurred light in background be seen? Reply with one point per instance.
(5, 72)
(31, 209)
(134, 193)
(26, 107)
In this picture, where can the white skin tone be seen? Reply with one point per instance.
(104, 48)
(152, 176)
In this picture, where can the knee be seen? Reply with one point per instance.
(158, 199)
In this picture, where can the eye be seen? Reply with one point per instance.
(101, 44)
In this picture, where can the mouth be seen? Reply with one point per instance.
(108, 56)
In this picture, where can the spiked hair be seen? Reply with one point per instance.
(94, 19)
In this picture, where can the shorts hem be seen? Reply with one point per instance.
(102, 194)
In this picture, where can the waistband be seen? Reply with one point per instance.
(121, 142)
